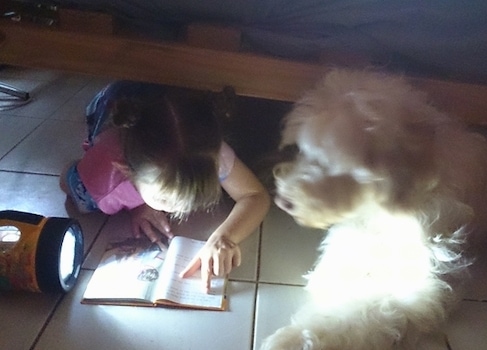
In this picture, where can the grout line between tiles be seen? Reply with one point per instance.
(97, 235)
(256, 289)
(475, 300)
(53, 83)
(46, 323)
(259, 250)
(22, 139)
(27, 173)
(448, 346)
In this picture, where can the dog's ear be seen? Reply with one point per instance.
(399, 129)
(407, 159)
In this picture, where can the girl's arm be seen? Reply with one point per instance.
(221, 252)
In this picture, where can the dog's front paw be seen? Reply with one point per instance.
(291, 338)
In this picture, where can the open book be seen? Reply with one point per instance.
(137, 272)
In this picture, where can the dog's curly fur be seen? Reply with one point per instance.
(400, 186)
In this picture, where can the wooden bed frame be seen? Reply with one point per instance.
(84, 42)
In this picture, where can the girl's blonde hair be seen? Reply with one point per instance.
(171, 139)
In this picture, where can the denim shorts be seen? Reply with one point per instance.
(77, 191)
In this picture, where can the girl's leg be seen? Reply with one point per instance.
(72, 185)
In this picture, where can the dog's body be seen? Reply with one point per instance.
(400, 186)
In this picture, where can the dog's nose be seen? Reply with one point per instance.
(283, 203)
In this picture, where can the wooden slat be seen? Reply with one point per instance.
(185, 66)
(85, 21)
(210, 36)
(174, 64)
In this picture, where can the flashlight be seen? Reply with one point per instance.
(39, 254)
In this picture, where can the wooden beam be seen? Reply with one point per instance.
(210, 36)
(173, 64)
(85, 21)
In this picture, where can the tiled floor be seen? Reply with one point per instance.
(38, 139)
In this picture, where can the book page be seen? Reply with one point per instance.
(187, 291)
(128, 270)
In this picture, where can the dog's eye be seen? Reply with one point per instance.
(284, 203)
(288, 205)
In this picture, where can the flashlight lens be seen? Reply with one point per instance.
(59, 254)
(67, 258)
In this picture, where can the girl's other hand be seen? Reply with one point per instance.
(150, 222)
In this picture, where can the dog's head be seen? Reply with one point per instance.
(364, 139)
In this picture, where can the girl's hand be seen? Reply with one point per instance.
(217, 257)
(150, 222)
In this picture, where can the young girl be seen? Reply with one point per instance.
(156, 151)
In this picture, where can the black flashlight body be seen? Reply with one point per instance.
(39, 254)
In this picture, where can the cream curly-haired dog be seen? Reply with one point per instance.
(399, 185)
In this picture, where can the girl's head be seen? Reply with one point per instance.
(171, 142)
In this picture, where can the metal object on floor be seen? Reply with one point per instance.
(12, 97)
(13, 91)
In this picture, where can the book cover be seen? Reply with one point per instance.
(138, 272)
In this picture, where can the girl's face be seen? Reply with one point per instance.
(151, 195)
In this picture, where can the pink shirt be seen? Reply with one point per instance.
(110, 189)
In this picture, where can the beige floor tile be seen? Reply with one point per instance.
(32, 193)
(22, 317)
(13, 130)
(275, 306)
(74, 108)
(476, 288)
(288, 250)
(466, 327)
(47, 150)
